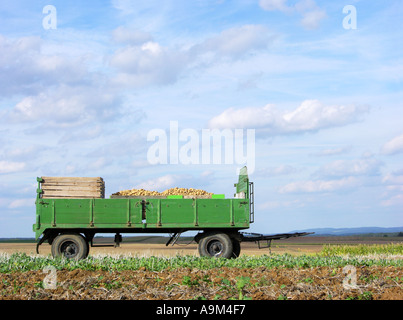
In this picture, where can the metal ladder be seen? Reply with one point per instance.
(251, 202)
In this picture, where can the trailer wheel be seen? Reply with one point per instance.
(236, 248)
(216, 245)
(70, 246)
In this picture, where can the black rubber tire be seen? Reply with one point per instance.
(87, 248)
(70, 246)
(236, 248)
(218, 245)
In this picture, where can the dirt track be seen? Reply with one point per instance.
(161, 250)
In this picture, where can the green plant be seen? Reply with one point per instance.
(110, 285)
(363, 249)
(307, 280)
(241, 283)
(187, 281)
(22, 262)
(366, 295)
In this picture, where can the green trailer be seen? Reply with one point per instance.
(70, 224)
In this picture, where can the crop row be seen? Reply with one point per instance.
(363, 249)
(21, 262)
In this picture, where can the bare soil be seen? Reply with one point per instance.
(373, 283)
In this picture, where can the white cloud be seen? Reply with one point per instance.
(125, 6)
(20, 203)
(392, 179)
(10, 167)
(394, 193)
(276, 171)
(314, 186)
(333, 151)
(147, 64)
(311, 115)
(66, 106)
(235, 42)
(279, 204)
(356, 167)
(311, 14)
(25, 69)
(132, 37)
(20, 153)
(138, 8)
(163, 183)
(86, 133)
(129, 144)
(48, 86)
(396, 200)
(312, 19)
(273, 5)
(393, 146)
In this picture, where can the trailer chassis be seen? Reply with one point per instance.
(211, 242)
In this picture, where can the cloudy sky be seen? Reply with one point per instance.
(84, 84)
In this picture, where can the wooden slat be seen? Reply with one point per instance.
(72, 188)
(82, 184)
(70, 179)
(76, 197)
(71, 193)
(73, 178)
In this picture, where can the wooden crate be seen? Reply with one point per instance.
(72, 187)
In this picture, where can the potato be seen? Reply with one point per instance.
(168, 192)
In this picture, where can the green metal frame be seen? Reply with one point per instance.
(126, 215)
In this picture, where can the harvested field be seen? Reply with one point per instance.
(375, 283)
(295, 270)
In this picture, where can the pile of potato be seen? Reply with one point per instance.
(137, 193)
(169, 192)
(185, 192)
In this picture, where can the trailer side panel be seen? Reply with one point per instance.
(190, 214)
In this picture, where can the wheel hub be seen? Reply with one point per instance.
(215, 248)
(69, 249)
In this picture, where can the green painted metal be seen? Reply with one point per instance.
(131, 215)
(243, 182)
(218, 196)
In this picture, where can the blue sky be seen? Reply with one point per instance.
(325, 102)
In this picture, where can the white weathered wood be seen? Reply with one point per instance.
(81, 184)
(72, 187)
(71, 193)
